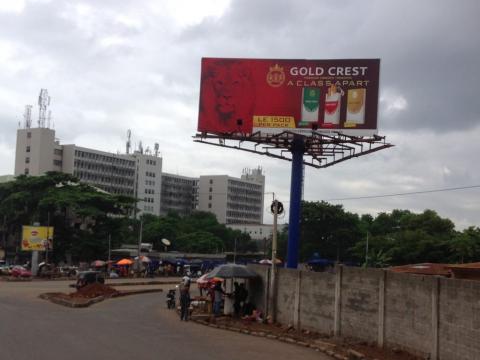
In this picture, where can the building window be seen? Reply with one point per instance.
(211, 181)
(58, 151)
(28, 148)
(29, 135)
(26, 171)
(57, 162)
(210, 190)
(209, 197)
(209, 205)
(27, 160)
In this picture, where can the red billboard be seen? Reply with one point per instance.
(270, 96)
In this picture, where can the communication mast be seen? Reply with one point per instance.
(156, 147)
(129, 143)
(49, 118)
(27, 117)
(43, 103)
(140, 147)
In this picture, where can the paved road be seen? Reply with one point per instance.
(134, 327)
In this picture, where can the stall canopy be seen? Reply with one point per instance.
(229, 271)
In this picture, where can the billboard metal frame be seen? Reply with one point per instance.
(319, 150)
(315, 149)
(316, 113)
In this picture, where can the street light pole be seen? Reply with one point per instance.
(109, 251)
(47, 244)
(235, 251)
(140, 238)
(274, 260)
(366, 253)
(4, 235)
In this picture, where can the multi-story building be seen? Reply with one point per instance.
(179, 194)
(137, 175)
(233, 200)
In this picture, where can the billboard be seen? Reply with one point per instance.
(271, 96)
(37, 238)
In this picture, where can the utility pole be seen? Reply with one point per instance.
(109, 251)
(140, 238)
(47, 244)
(235, 251)
(366, 253)
(4, 237)
(275, 209)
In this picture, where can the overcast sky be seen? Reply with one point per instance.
(113, 65)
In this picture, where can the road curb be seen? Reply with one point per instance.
(267, 335)
(88, 302)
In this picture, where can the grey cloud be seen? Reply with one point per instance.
(149, 83)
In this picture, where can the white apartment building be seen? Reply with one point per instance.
(137, 175)
(179, 194)
(233, 200)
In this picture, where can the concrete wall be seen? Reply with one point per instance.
(426, 315)
(317, 300)
(359, 303)
(459, 319)
(286, 281)
(408, 307)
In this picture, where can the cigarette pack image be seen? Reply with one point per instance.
(332, 106)
(356, 106)
(310, 105)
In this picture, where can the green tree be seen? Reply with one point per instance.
(80, 213)
(465, 246)
(199, 242)
(328, 230)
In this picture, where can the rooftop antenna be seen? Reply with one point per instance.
(156, 147)
(140, 147)
(129, 143)
(27, 117)
(43, 103)
(49, 118)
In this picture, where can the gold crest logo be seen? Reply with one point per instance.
(275, 76)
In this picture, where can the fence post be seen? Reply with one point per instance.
(338, 300)
(381, 309)
(296, 305)
(435, 322)
(267, 292)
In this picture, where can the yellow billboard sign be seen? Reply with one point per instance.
(37, 238)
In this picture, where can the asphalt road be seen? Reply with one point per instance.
(135, 327)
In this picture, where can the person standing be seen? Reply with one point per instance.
(236, 298)
(184, 299)
(217, 298)
(243, 296)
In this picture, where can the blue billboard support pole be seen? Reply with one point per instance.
(295, 202)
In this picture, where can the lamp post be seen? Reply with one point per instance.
(109, 252)
(235, 251)
(366, 252)
(4, 237)
(140, 237)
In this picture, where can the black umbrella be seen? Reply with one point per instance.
(228, 271)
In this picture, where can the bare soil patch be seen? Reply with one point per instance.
(348, 348)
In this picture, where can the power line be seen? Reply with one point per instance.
(405, 193)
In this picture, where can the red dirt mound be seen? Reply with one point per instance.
(94, 290)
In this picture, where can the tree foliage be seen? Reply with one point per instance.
(396, 238)
(199, 232)
(81, 215)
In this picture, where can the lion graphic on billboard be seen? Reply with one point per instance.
(227, 98)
